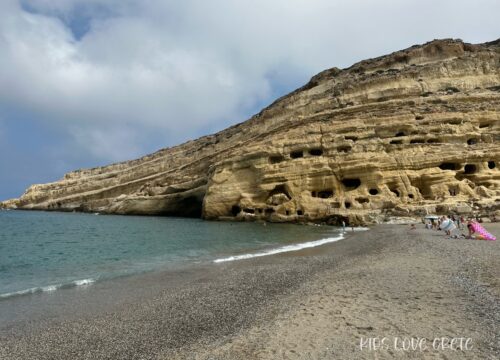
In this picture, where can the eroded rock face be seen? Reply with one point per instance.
(412, 132)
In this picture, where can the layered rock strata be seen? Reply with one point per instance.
(410, 133)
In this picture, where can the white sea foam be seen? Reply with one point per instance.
(287, 248)
(83, 282)
(48, 288)
(359, 228)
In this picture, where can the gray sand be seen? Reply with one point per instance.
(316, 304)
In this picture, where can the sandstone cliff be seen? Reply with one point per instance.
(413, 132)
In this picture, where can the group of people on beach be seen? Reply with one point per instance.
(453, 225)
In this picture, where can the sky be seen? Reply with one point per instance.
(85, 83)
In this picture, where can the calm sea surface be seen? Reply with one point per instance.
(45, 251)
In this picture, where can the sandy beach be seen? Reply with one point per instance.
(387, 286)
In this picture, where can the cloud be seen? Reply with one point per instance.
(112, 75)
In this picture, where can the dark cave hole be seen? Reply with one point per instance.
(280, 189)
(325, 194)
(449, 166)
(316, 152)
(470, 169)
(297, 154)
(235, 210)
(396, 142)
(344, 149)
(395, 192)
(491, 165)
(373, 191)
(276, 159)
(188, 207)
(351, 184)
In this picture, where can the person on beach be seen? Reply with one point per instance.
(448, 225)
(343, 226)
(471, 230)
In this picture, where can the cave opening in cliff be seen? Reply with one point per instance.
(189, 207)
(470, 169)
(316, 152)
(449, 166)
(351, 184)
(235, 210)
(396, 142)
(280, 189)
(396, 192)
(300, 212)
(275, 159)
(491, 165)
(362, 200)
(417, 141)
(484, 125)
(297, 154)
(347, 204)
(373, 191)
(344, 149)
(352, 138)
(411, 196)
(269, 211)
(338, 220)
(325, 194)
(472, 141)
(400, 133)
(249, 211)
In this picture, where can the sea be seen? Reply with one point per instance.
(43, 252)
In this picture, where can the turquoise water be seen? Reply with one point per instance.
(45, 251)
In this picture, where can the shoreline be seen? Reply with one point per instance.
(270, 249)
(289, 305)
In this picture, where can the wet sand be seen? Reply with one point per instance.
(390, 282)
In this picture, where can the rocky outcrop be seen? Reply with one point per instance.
(413, 132)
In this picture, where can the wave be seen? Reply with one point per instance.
(48, 288)
(287, 248)
(358, 228)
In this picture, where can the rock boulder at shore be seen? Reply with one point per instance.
(410, 133)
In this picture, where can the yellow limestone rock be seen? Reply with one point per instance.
(413, 132)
